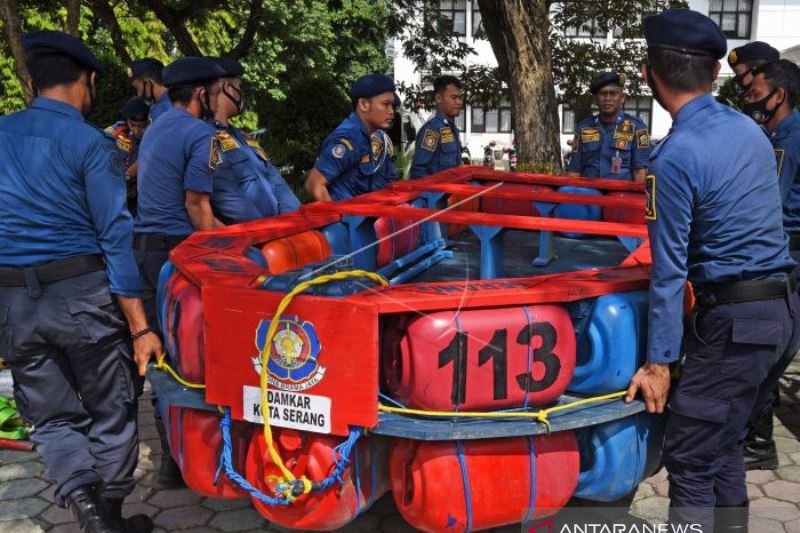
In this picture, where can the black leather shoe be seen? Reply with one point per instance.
(169, 473)
(88, 511)
(759, 447)
(731, 519)
(138, 523)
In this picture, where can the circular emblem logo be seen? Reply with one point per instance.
(295, 347)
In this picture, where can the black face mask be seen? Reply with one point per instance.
(758, 110)
(652, 85)
(739, 85)
(147, 92)
(238, 99)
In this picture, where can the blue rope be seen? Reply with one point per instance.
(389, 399)
(530, 350)
(341, 458)
(532, 459)
(462, 462)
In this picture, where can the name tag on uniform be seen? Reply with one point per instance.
(616, 165)
(650, 197)
(447, 135)
(590, 135)
(779, 153)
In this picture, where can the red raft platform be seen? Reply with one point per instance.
(457, 340)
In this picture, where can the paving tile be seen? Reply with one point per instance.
(20, 470)
(765, 525)
(396, 524)
(783, 490)
(22, 508)
(645, 490)
(789, 473)
(57, 515)
(26, 525)
(787, 445)
(384, 506)
(238, 520)
(754, 492)
(759, 477)
(653, 507)
(774, 509)
(21, 488)
(792, 526)
(182, 517)
(166, 499)
(48, 494)
(141, 493)
(365, 523)
(13, 456)
(218, 504)
(130, 509)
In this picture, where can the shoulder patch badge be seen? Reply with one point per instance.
(252, 143)
(376, 143)
(650, 197)
(365, 159)
(347, 143)
(779, 153)
(447, 135)
(215, 153)
(123, 144)
(338, 150)
(430, 140)
(227, 142)
(590, 135)
(642, 139)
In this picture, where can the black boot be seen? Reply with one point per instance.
(759, 447)
(87, 510)
(169, 473)
(731, 519)
(138, 523)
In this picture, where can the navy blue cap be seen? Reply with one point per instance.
(371, 85)
(753, 51)
(191, 71)
(231, 67)
(144, 66)
(57, 42)
(135, 108)
(606, 78)
(685, 31)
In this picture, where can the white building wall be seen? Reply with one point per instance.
(776, 22)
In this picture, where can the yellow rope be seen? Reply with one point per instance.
(540, 416)
(161, 364)
(284, 486)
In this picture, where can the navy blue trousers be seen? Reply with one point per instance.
(735, 354)
(68, 347)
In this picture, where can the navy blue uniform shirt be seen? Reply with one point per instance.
(62, 193)
(713, 213)
(354, 162)
(438, 147)
(597, 144)
(177, 154)
(786, 141)
(247, 185)
(159, 107)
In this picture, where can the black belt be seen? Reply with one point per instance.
(156, 242)
(52, 272)
(794, 241)
(745, 291)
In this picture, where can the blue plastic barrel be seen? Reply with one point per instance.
(611, 336)
(578, 211)
(617, 456)
(337, 237)
(167, 270)
(255, 255)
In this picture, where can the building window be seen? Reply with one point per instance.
(733, 17)
(477, 24)
(455, 11)
(461, 120)
(492, 120)
(640, 106)
(588, 29)
(567, 120)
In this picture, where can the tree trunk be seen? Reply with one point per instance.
(72, 26)
(518, 32)
(9, 12)
(175, 23)
(103, 11)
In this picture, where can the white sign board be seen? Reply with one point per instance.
(305, 412)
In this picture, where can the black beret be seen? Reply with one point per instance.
(685, 31)
(144, 66)
(231, 67)
(371, 85)
(135, 108)
(753, 51)
(191, 71)
(606, 78)
(60, 43)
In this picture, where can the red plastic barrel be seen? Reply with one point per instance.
(457, 486)
(364, 481)
(505, 206)
(483, 359)
(295, 251)
(196, 443)
(626, 215)
(471, 206)
(403, 240)
(185, 333)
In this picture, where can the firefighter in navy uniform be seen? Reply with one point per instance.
(356, 157)
(247, 186)
(773, 89)
(714, 218)
(176, 164)
(612, 144)
(438, 143)
(145, 75)
(128, 132)
(69, 288)
(745, 59)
